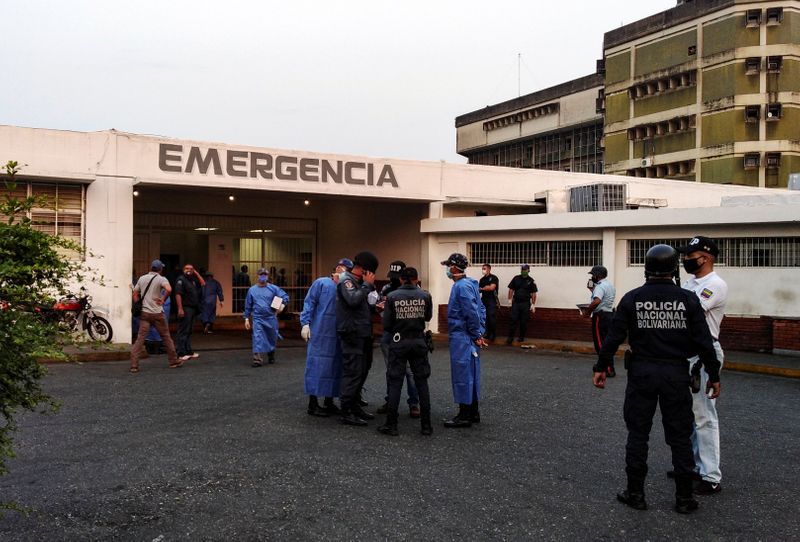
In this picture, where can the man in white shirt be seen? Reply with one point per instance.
(698, 260)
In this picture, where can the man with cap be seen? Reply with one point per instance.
(665, 326)
(323, 372)
(466, 321)
(211, 292)
(395, 268)
(262, 304)
(522, 292)
(188, 298)
(489, 286)
(354, 328)
(601, 308)
(153, 289)
(408, 308)
(699, 256)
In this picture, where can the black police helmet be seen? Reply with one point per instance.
(367, 260)
(457, 260)
(599, 271)
(661, 260)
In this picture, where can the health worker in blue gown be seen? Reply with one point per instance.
(259, 306)
(211, 292)
(323, 373)
(466, 323)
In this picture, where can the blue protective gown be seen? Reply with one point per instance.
(324, 355)
(211, 291)
(466, 322)
(263, 319)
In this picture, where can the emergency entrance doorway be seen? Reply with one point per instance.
(233, 248)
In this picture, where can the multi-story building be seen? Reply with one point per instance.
(706, 91)
(558, 128)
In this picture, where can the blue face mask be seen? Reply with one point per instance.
(449, 273)
(262, 279)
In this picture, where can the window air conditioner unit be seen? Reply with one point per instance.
(646, 162)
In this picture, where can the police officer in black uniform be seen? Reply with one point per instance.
(489, 286)
(407, 309)
(354, 328)
(522, 293)
(665, 326)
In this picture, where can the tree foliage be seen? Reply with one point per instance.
(35, 269)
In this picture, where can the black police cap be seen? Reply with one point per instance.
(599, 271)
(661, 260)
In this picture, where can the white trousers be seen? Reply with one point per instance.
(705, 439)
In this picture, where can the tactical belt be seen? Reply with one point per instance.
(397, 337)
(661, 361)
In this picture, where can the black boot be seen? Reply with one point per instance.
(314, 409)
(425, 424)
(684, 501)
(390, 427)
(271, 357)
(462, 419)
(363, 414)
(634, 495)
(330, 407)
(475, 413)
(348, 418)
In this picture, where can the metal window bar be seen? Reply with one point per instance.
(734, 251)
(537, 253)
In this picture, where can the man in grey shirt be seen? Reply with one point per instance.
(153, 289)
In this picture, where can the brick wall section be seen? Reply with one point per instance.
(786, 334)
(742, 334)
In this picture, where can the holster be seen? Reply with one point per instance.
(429, 341)
(694, 381)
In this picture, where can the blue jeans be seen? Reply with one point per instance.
(411, 388)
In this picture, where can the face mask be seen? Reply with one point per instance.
(691, 266)
(262, 279)
(449, 273)
(590, 284)
(524, 274)
(342, 276)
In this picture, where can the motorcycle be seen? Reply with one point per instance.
(75, 313)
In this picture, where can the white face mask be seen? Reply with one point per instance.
(342, 275)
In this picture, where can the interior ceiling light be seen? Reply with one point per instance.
(231, 197)
(135, 192)
(306, 202)
(206, 229)
(260, 231)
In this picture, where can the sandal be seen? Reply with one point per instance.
(133, 370)
(177, 365)
(256, 363)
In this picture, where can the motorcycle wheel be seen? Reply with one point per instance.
(99, 329)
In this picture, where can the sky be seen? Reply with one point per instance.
(362, 77)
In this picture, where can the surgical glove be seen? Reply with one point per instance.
(533, 309)
(372, 297)
(306, 332)
(247, 324)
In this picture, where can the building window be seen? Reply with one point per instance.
(597, 197)
(663, 85)
(774, 15)
(774, 64)
(772, 160)
(774, 111)
(734, 251)
(692, 50)
(673, 169)
(537, 253)
(61, 210)
(753, 17)
(752, 65)
(671, 126)
(752, 113)
(752, 160)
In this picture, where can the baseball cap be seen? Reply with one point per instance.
(262, 271)
(524, 267)
(347, 263)
(157, 265)
(394, 269)
(701, 243)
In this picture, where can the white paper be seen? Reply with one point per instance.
(276, 303)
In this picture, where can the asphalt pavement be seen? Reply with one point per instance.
(218, 450)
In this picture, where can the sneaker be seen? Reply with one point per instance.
(707, 488)
(414, 411)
